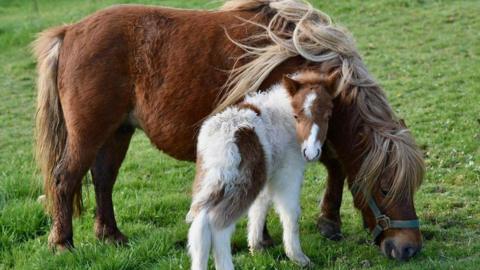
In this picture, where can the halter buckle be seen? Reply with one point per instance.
(384, 222)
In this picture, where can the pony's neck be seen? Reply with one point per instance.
(343, 134)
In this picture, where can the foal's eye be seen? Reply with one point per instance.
(295, 116)
(384, 192)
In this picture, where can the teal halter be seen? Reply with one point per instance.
(383, 222)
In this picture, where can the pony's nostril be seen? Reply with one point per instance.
(407, 252)
(389, 249)
(401, 253)
(305, 153)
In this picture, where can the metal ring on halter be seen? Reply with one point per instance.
(384, 222)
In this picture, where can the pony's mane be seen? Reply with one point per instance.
(298, 29)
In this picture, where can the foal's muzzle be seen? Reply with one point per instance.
(311, 155)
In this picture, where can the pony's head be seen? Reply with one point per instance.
(377, 151)
(383, 188)
(311, 97)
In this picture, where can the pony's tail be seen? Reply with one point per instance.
(50, 132)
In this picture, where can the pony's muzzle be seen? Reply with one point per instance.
(401, 251)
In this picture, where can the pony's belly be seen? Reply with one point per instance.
(175, 136)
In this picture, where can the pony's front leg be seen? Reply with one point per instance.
(329, 222)
(286, 199)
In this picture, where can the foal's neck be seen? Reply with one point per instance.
(276, 111)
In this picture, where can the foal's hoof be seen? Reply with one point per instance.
(266, 243)
(261, 245)
(258, 245)
(329, 229)
(300, 259)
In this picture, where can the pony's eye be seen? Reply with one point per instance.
(295, 116)
(384, 192)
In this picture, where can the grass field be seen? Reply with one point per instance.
(425, 53)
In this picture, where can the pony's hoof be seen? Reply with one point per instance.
(113, 236)
(116, 238)
(329, 229)
(59, 247)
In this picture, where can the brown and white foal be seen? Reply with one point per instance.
(252, 154)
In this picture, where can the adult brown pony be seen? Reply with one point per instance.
(162, 70)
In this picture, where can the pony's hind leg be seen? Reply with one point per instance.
(95, 93)
(104, 172)
(80, 152)
(67, 184)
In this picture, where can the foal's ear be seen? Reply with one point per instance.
(291, 85)
(330, 82)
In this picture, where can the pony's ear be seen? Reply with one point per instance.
(291, 85)
(330, 81)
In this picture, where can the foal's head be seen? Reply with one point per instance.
(311, 94)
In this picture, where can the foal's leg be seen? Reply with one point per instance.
(222, 253)
(286, 199)
(199, 241)
(256, 222)
(329, 222)
(104, 171)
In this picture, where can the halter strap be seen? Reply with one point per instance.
(383, 222)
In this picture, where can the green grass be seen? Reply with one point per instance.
(425, 53)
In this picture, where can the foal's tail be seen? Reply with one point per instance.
(50, 133)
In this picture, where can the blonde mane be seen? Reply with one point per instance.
(298, 29)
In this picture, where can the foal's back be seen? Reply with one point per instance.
(231, 164)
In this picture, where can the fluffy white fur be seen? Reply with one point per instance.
(276, 130)
(199, 241)
(220, 154)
